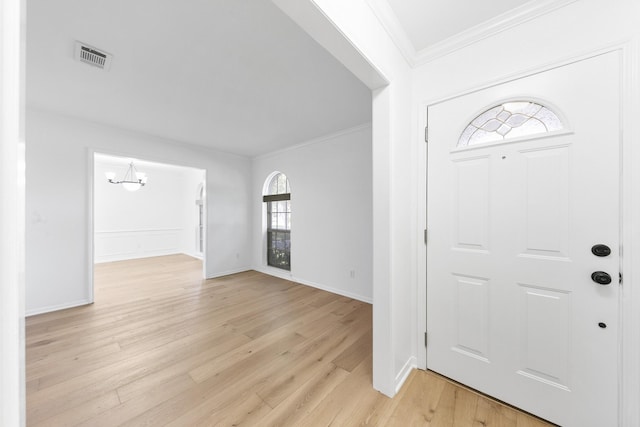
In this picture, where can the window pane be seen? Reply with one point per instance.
(509, 120)
(279, 249)
(273, 185)
(279, 224)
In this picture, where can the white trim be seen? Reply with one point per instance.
(288, 276)
(63, 306)
(12, 213)
(630, 211)
(402, 376)
(315, 22)
(133, 256)
(318, 140)
(228, 272)
(509, 141)
(630, 301)
(421, 249)
(514, 17)
(144, 230)
(391, 24)
(493, 26)
(90, 225)
(159, 161)
(275, 272)
(527, 72)
(333, 290)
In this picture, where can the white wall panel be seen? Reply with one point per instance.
(122, 245)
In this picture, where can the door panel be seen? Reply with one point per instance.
(472, 317)
(545, 326)
(472, 203)
(546, 214)
(511, 306)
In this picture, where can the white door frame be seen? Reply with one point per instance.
(629, 340)
(12, 222)
(91, 214)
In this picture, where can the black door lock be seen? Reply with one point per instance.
(601, 278)
(601, 250)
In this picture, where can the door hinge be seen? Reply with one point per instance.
(425, 339)
(426, 134)
(425, 236)
(620, 278)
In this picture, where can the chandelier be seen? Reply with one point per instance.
(132, 180)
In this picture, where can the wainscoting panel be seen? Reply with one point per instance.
(130, 244)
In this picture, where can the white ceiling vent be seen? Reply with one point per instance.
(92, 56)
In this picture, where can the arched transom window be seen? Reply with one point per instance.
(510, 120)
(278, 200)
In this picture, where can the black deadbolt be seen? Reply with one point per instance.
(601, 250)
(602, 325)
(601, 278)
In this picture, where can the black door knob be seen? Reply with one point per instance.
(601, 250)
(601, 278)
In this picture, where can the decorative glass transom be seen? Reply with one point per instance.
(509, 120)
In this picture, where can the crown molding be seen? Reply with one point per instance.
(519, 15)
(493, 26)
(391, 24)
(313, 141)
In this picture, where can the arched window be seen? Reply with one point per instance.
(278, 200)
(510, 120)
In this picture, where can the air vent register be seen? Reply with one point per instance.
(92, 56)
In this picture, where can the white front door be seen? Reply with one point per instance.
(512, 309)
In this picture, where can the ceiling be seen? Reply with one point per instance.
(427, 22)
(234, 75)
(238, 75)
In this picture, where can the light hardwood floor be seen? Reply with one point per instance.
(161, 346)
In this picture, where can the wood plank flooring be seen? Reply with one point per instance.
(161, 346)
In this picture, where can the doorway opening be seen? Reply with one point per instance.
(165, 216)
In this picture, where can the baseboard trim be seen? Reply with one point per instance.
(57, 307)
(404, 372)
(131, 256)
(289, 276)
(229, 272)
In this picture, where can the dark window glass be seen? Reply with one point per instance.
(279, 223)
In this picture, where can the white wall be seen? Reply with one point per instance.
(59, 178)
(331, 212)
(581, 28)
(158, 219)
